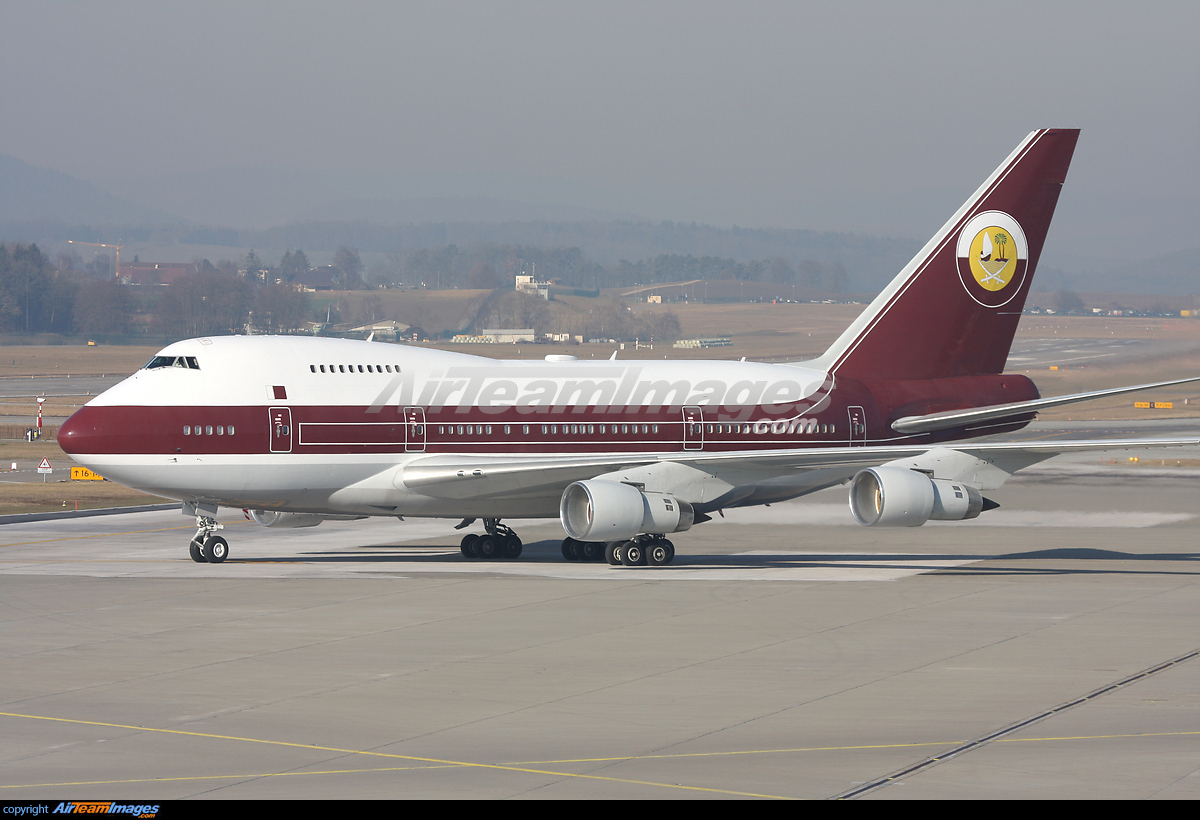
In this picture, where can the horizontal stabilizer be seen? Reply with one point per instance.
(998, 412)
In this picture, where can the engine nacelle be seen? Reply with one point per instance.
(895, 497)
(284, 520)
(611, 511)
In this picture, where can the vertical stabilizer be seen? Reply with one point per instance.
(954, 308)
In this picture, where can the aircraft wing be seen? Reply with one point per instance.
(960, 418)
(989, 463)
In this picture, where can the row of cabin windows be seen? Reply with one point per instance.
(207, 430)
(350, 368)
(812, 428)
(617, 429)
(547, 429)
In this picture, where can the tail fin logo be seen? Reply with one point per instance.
(992, 258)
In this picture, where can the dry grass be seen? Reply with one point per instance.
(69, 495)
(58, 491)
(76, 360)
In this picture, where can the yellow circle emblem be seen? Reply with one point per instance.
(993, 258)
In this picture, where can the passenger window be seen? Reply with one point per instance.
(208, 430)
(187, 430)
(220, 430)
(313, 368)
(229, 430)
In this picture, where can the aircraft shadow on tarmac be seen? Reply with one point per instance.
(547, 552)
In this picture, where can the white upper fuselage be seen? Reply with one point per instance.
(329, 424)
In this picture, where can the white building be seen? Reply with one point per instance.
(527, 284)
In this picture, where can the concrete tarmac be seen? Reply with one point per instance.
(786, 653)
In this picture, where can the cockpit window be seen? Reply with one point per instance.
(188, 362)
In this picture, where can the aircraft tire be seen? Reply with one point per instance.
(612, 552)
(486, 548)
(512, 546)
(570, 549)
(592, 550)
(633, 554)
(216, 549)
(197, 553)
(468, 545)
(658, 553)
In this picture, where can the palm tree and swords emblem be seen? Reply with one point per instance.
(988, 251)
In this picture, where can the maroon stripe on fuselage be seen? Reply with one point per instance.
(332, 430)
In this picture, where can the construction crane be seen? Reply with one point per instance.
(102, 245)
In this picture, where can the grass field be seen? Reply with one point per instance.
(58, 491)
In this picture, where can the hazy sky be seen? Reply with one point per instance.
(875, 117)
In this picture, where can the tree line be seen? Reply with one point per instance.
(66, 295)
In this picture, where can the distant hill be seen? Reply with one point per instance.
(31, 195)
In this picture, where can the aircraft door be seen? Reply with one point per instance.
(858, 426)
(414, 429)
(281, 429)
(693, 428)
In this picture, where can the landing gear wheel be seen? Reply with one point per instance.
(570, 549)
(633, 554)
(197, 553)
(592, 550)
(671, 549)
(658, 553)
(512, 546)
(485, 548)
(216, 549)
(613, 552)
(468, 545)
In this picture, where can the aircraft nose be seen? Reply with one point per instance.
(78, 434)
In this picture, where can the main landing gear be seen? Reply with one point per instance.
(499, 542)
(642, 549)
(206, 547)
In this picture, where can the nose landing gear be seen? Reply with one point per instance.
(206, 547)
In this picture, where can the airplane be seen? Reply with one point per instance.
(299, 430)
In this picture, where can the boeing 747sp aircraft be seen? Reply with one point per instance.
(297, 430)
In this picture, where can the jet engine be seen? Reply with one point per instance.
(611, 511)
(896, 497)
(283, 520)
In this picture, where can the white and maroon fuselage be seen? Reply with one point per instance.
(327, 425)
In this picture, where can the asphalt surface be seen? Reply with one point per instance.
(1046, 649)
